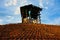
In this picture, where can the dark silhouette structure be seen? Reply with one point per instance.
(30, 14)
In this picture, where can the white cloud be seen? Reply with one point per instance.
(1, 21)
(47, 2)
(9, 18)
(46, 20)
(13, 19)
(17, 11)
(23, 2)
(19, 21)
(46, 7)
(55, 21)
(8, 3)
(41, 3)
(11, 2)
(14, 2)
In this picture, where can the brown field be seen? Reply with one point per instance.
(29, 32)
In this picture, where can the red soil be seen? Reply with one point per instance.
(30, 31)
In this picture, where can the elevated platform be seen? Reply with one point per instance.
(30, 14)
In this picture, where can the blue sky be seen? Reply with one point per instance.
(10, 10)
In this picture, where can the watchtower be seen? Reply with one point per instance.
(30, 14)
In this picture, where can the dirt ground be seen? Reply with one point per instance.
(29, 32)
